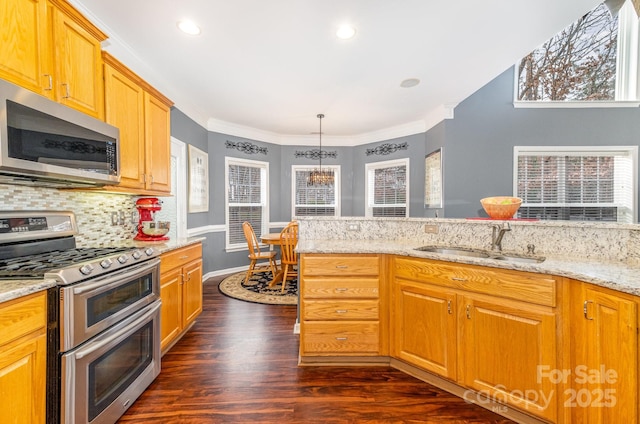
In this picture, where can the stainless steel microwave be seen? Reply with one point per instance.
(46, 143)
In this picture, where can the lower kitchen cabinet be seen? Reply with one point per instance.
(180, 292)
(341, 313)
(23, 348)
(604, 368)
(470, 325)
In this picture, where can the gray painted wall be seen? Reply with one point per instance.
(477, 158)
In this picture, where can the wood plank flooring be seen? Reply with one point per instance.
(238, 364)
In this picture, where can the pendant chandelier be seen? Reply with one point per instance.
(319, 177)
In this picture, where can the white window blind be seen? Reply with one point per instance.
(387, 187)
(315, 200)
(246, 199)
(581, 184)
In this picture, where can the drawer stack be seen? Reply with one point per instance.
(340, 305)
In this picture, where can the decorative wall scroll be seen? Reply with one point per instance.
(316, 154)
(433, 179)
(246, 147)
(198, 180)
(387, 148)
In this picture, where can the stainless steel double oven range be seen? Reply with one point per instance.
(103, 347)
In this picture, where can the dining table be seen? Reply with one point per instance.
(273, 239)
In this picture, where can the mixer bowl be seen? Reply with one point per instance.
(155, 228)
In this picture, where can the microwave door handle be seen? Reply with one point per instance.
(98, 344)
(116, 279)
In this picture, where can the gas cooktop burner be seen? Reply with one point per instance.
(35, 266)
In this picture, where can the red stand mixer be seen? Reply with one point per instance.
(148, 228)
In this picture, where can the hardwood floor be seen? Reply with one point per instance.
(238, 364)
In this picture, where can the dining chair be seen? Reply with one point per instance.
(255, 254)
(289, 257)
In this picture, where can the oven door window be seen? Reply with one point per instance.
(114, 371)
(110, 302)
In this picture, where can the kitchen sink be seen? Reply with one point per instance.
(474, 253)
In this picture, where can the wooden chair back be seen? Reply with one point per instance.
(288, 242)
(252, 240)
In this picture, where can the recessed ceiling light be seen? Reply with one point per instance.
(410, 82)
(189, 27)
(345, 32)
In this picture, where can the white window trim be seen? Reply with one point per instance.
(632, 150)
(336, 171)
(627, 65)
(264, 195)
(384, 164)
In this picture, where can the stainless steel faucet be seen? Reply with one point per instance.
(497, 234)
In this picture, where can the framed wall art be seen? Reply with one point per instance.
(198, 180)
(433, 179)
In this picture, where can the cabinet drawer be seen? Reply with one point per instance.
(351, 310)
(340, 264)
(528, 287)
(343, 337)
(180, 257)
(22, 316)
(340, 288)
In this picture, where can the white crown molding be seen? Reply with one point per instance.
(439, 114)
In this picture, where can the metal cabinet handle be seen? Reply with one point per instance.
(341, 289)
(449, 309)
(50, 82)
(342, 266)
(341, 311)
(341, 338)
(585, 309)
(66, 87)
(468, 311)
(184, 257)
(458, 279)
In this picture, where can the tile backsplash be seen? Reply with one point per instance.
(92, 209)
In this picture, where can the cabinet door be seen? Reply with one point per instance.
(158, 145)
(171, 309)
(22, 380)
(124, 104)
(77, 55)
(425, 327)
(504, 344)
(192, 291)
(606, 376)
(23, 58)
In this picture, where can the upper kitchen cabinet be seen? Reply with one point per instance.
(77, 60)
(142, 115)
(50, 48)
(23, 40)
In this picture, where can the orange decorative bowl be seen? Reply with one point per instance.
(501, 207)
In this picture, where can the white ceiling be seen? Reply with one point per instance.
(264, 69)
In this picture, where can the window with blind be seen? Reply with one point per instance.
(247, 199)
(577, 183)
(312, 200)
(387, 188)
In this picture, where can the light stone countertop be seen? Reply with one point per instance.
(13, 289)
(618, 276)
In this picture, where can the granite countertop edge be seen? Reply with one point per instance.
(619, 276)
(13, 289)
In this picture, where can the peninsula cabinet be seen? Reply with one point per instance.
(23, 348)
(48, 47)
(483, 328)
(142, 115)
(342, 312)
(180, 292)
(604, 370)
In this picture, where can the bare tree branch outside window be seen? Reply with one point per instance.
(577, 64)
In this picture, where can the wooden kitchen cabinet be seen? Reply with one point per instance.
(425, 327)
(48, 47)
(484, 328)
(341, 310)
(23, 348)
(180, 292)
(23, 44)
(142, 114)
(604, 371)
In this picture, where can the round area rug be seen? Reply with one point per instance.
(258, 291)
